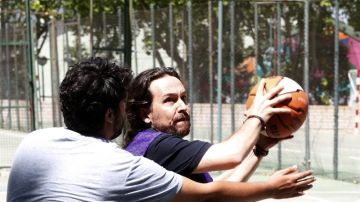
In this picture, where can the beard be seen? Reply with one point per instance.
(182, 131)
(180, 126)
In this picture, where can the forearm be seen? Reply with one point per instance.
(234, 150)
(222, 191)
(232, 191)
(285, 183)
(225, 175)
(243, 171)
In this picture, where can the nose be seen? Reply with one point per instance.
(182, 106)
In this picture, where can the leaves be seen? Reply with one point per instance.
(106, 35)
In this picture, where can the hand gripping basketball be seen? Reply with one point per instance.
(282, 125)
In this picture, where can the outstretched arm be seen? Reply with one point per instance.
(243, 171)
(285, 183)
(233, 151)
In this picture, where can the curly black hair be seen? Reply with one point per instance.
(88, 90)
(140, 97)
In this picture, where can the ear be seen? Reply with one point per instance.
(109, 116)
(145, 115)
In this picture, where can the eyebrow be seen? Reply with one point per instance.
(170, 94)
(174, 94)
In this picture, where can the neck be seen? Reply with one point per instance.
(106, 133)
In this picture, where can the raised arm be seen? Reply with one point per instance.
(233, 151)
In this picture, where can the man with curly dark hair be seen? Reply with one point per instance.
(79, 162)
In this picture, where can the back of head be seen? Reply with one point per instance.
(89, 89)
(140, 97)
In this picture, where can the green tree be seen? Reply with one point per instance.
(321, 37)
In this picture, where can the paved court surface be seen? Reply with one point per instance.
(324, 190)
(4, 174)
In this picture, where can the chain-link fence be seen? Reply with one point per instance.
(221, 49)
(14, 88)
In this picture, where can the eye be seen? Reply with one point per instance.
(169, 100)
(184, 98)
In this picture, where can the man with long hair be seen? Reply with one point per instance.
(159, 118)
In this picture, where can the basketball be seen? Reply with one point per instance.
(283, 125)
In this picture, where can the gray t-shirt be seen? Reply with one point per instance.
(57, 164)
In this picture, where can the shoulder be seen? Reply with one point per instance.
(52, 133)
(168, 143)
(41, 137)
(147, 180)
(165, 139)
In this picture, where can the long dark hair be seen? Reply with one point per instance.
(139, 97)
(89, 89)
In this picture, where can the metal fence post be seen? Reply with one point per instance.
(190, 67)
(30, 65)
(336, 89)
(153, 33)
(120, 34)
(219, 68)
(256, 42)
(211, 76)
(104, 23)
(134, 28)
(8, 77)
(78, 37)
(278, 38)
(171, 32)
(278, 62)
(16, 79)
(127, 34)
(91, 15)
(54, 74)
(306, 80)
(1, 82)
(232, 64)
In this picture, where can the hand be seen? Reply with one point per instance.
(266, 142)
(264, 102)
(289, 182)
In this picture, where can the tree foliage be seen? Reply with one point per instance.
(321, 37)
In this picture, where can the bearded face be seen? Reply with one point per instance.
(169, 110)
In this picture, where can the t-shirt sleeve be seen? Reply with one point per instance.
(147, 181)
(176, 154)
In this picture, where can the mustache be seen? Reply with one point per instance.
(182, 117)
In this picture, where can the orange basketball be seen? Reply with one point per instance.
(283, 125)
